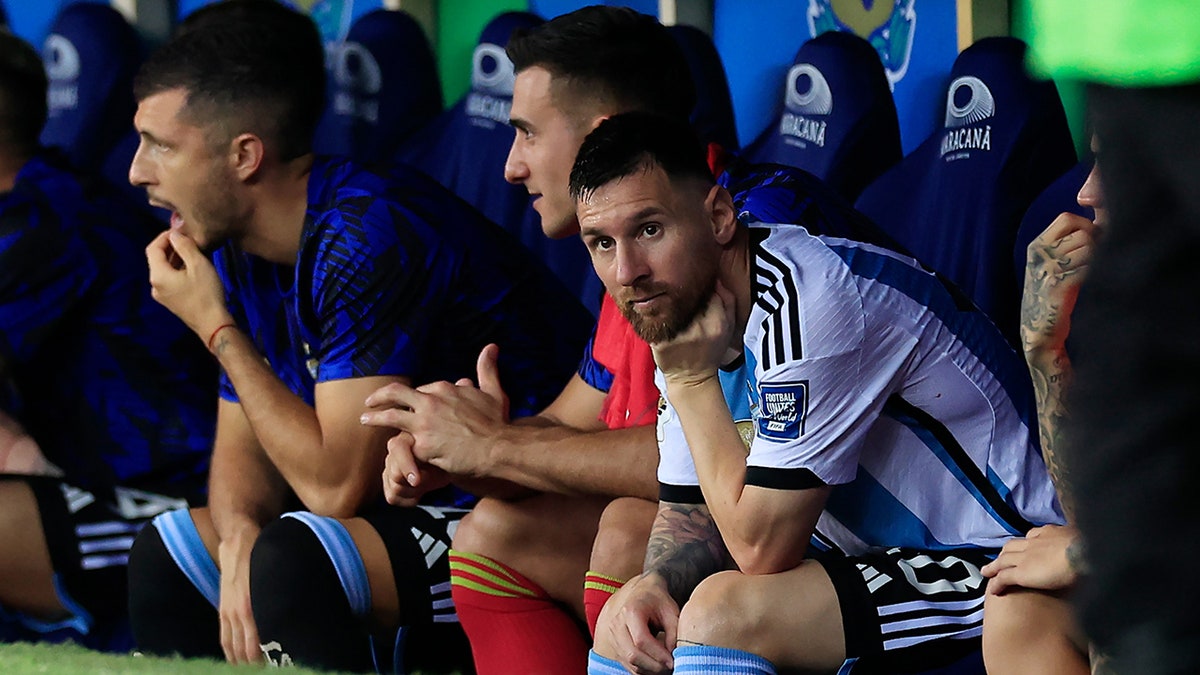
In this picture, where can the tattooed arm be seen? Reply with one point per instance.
(1056, 263)
(685, 548)
(638, 625)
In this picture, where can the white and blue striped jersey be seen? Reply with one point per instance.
(867, 372)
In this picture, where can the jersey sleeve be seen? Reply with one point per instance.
(677, 478)
(44, 273)
(825, 366)
(814, 412)
(591, 371)
(375, 295)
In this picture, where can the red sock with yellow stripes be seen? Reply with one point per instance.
(597, 589)
(513, 625)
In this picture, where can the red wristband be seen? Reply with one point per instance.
(218, 330)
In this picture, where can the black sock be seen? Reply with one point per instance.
(167, 613)
(299, 604)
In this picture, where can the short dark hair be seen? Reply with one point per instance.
(247, 65)
(613, 53)
(22, 95)
(625, 144)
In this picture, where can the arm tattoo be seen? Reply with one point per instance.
(1077, 557)
(685, 548)
(1050, 384)
(1046, 305)
(222, 343)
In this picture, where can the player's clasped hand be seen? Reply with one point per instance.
(639, 624)
(183, 280)
(439, 426)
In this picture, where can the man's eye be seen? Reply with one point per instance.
(651, 230)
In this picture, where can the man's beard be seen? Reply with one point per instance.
(679, 314)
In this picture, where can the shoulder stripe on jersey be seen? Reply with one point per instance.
(782, 479)
(946, 448)
(781, 329)
(680, 494)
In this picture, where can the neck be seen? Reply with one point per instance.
(279, 202)
(735, 276)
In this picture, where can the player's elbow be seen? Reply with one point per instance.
(337, 501)
(765, 557)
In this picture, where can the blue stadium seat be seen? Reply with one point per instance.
(712, 118)
(91, 56)
(956, 201)
(1060, 197)
(838, 119)
(383, 86)
(465, 149)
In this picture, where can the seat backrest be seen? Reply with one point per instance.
(1062, 196)
(956, 201)
(91, 56)
(838, 119)
(712, 118)
(383, 87)
(465, 149)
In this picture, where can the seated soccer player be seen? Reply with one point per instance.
(580, 452)
(844, 440)
(1028, 623)
(326, 282)
(106, 402)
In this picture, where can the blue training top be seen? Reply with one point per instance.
(397, 276)
(115, 389)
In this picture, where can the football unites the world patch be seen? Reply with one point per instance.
(782, 410)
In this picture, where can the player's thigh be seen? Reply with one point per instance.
(1024, 625)
(792, 618)
(26, 571)
(405, 553)
(546, 537)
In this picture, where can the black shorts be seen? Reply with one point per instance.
(905, 610)
(89, 536)
(418, 543)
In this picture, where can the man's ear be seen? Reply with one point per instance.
(246, 155)
(719, 205)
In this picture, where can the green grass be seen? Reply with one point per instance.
(69, 659)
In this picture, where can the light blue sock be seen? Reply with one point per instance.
(599, 665)
(705, 660)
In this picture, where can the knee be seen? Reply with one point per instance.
(720, 613)
(495, 528)
(287, 561)
(620, 544)
(172, 605)
(155, 577)
(1018, 622)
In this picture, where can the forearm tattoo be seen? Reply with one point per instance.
(1050, 385)
(685, 548)
(1045, 310)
